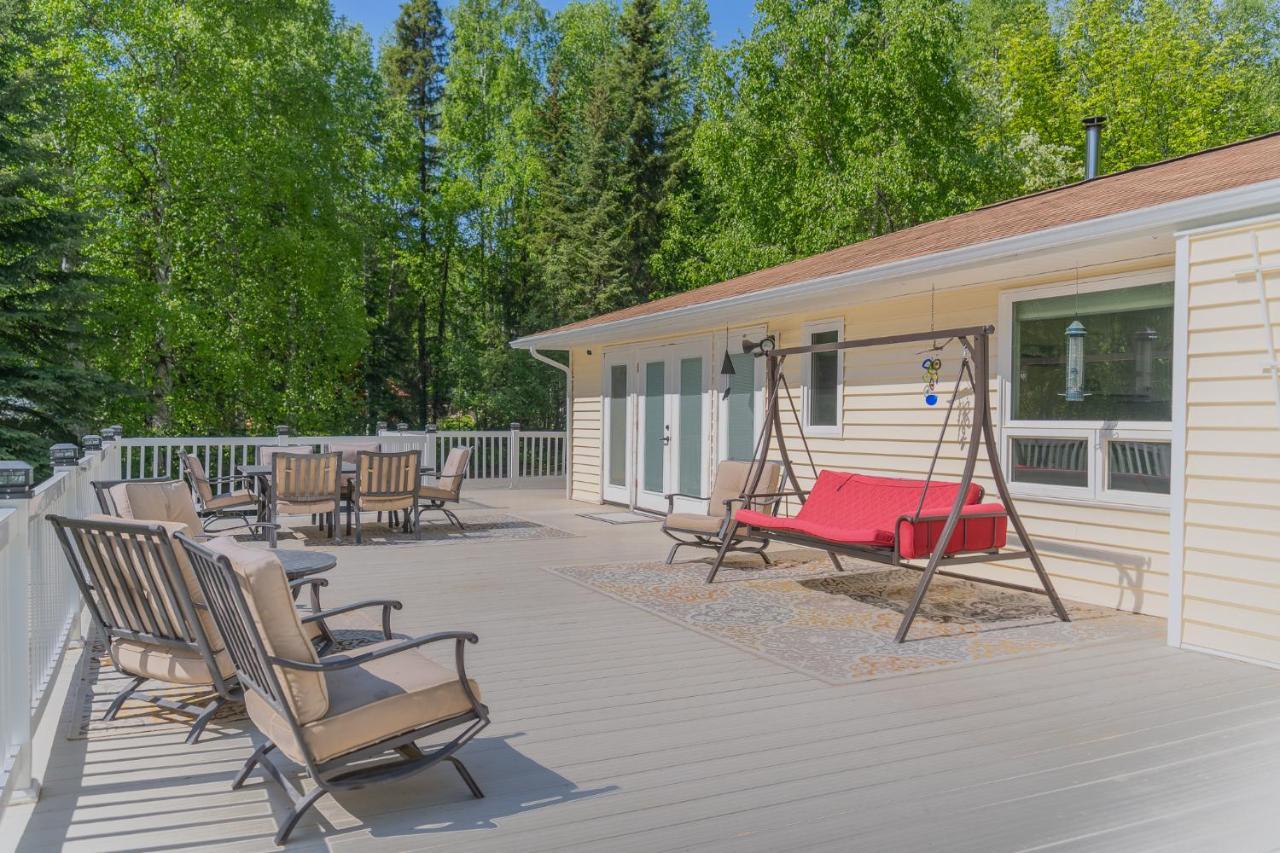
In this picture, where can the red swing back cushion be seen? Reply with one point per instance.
(857, 509)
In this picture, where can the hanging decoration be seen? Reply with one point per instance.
(1076, 334)
(932, 365)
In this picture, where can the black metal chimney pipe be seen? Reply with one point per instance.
(1092, 144)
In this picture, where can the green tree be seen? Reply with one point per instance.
(46, 394)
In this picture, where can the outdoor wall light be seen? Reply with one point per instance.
(764, 346)
(1075, 362)
(15, 479)
(282, 429)
(64, 454)
(92, 441)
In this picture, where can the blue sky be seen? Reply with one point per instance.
(728, 17)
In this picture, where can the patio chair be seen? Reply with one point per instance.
(234, 505)
(709, 529)
(306, 483)
(447, 488)
(384, 482)
(331, 714)
(158, 500)
(140, 591)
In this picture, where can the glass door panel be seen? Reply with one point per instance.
(690, 427)
(617, 431)
(656, 431)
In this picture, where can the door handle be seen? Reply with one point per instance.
(666, 439)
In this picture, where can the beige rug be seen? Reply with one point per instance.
(840, 627)
(436, 530)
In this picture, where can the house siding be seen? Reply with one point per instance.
(1231, 544)
(1099, 554)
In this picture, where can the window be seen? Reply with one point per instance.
(1114, 445)
(822, 381)
(738, 408)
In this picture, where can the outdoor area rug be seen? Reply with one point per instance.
(480, 527)
(621, 517)
(839, 628)
(99, 682)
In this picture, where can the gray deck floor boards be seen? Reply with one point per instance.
(615, 729)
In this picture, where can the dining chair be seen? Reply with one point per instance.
(448, 487)
(384, 482)
(306, 483)
(233, 505)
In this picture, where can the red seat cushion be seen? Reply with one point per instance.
(856, 509)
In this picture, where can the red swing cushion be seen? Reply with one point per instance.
(856, 509)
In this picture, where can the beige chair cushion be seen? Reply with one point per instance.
(119, 497)
(266, 589)
(229, 500)
(693, 522)
(176, 666)
(368, 504)
(731, 478)
(195, 468)
(350, 450)
(436, 493)
(371, 702)
(169, 501)
(453, 473)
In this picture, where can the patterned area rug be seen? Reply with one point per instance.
(480, 527)
(100, 681)
(839, 628)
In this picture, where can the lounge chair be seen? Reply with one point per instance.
(158, 500)
(384, 482)
(709, 529)
(448, 487)
(331, 714)
(235, 505)
(141, 592)
(306, 484)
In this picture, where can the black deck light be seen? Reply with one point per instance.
(402, 427)
(282, 429)
(92, 441)
(107, 434)
(15, 479)
(64, 454)
(117, 431)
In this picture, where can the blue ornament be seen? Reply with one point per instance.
(931, 399)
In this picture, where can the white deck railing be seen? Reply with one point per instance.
(40, 605)
(506, 455)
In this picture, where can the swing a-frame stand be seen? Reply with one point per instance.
(964, 534)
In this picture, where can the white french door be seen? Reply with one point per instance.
(672, 420)
(619, 427)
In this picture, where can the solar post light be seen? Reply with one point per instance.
(117, 431)
(92, 441)
(15, 479)
(382, 427)
(402, 427)
(64, 455)
(282, 429)
(431, 427)
(107, 434)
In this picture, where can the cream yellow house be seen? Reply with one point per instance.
(1159, 492)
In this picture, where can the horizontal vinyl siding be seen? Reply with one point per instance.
(1231, 559)
(586, 440)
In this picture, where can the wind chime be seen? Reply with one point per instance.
(931, 365)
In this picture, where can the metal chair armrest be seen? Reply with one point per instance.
(336, 662)
(387, 606)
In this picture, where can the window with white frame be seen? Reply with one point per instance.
(823, 396)
(1114, 443)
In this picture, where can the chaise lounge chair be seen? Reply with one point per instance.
(709, 529)
(331, 714)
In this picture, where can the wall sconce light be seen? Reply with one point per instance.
(64, 454)
(15, 479)
(764, 346)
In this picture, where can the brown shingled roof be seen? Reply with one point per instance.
(1230, 166)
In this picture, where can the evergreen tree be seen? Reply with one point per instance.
(413, 64)
(46, 393)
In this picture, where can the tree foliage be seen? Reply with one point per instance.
(284, 228)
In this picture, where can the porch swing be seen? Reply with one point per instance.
(889, 520)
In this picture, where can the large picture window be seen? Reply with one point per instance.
(1114, 444)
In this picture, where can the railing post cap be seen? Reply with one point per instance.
(515, 426)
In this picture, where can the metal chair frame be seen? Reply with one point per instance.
(109, 562)
(278, 460)
(382, 474)
(438, 504)
(256, 671)
(210, 516)
(713, 541)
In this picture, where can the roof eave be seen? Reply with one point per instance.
(1172, 216)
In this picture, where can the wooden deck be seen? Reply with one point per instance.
(617, 730)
